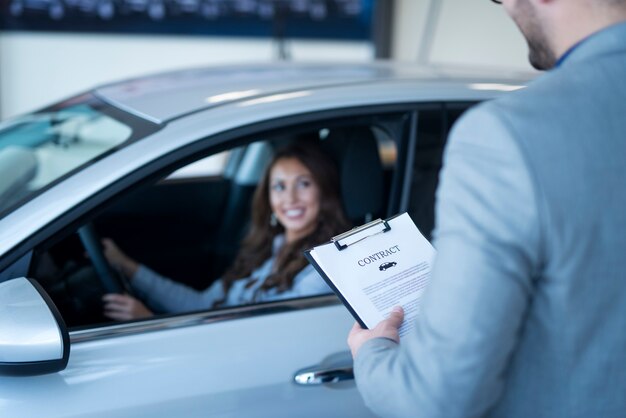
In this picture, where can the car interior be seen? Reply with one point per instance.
(186, 221)
(187, 225)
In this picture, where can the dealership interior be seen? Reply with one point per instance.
(39, 67)
(312, 208)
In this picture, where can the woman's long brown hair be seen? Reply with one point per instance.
(256, 247)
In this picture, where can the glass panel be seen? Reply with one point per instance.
(38, 149)
(191, 232)
(211, 166)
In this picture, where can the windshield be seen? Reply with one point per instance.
(39, 149)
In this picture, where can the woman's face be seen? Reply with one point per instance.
(294, 197)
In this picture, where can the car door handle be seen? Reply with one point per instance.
(317, 376)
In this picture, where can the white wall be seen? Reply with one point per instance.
(37, 69)
(409, 25)
(464, 33)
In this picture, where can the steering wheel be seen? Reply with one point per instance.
(111, 280)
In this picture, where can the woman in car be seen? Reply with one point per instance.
(296, 206)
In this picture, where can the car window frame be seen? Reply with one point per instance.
(140, 128)
(444, 109)
(158, 168)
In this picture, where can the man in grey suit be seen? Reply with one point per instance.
(526, 312)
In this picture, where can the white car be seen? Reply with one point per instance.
(166, 166)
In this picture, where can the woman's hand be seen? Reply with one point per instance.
(124, 307)
(118, 259)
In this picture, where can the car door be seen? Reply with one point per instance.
(242, 366)
(285, 358)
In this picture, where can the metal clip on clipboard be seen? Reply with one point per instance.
(358, 234)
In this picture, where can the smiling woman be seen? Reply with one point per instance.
(298, 198)
(294, 197)
(296, 206)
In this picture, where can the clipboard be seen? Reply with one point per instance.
(360, 233)
(342, 242)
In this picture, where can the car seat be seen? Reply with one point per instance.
(360, 170)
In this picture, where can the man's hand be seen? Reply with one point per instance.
(124, 307)
(387, 329)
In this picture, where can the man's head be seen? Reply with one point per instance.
(551, 27)
(541, 53)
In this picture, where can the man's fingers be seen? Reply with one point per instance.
(355, 338)
(396, 317)
(390, 326)
(356, 327)
(354, 332)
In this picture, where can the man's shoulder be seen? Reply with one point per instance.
(554, 90)
(506, 123)
(541, 101)
(553, 85)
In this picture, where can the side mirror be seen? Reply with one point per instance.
(34, 339)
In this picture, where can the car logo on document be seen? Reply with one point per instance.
(385, 266)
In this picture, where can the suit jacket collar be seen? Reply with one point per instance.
(606, 41)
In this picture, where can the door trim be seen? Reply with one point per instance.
(200, 318)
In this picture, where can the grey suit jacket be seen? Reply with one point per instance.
(526, 312)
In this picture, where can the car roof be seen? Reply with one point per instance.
(205, 101)
(163, 97)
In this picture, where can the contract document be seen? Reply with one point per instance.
(375, 267)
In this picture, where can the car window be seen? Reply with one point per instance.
(188, 225)
(39, 149)
(213, 165)
(433, 127)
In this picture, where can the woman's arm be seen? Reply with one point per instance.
(306, 283)
(166, 295)
(160, 293)
(118, 258)
(163, 294)
(309, 283)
